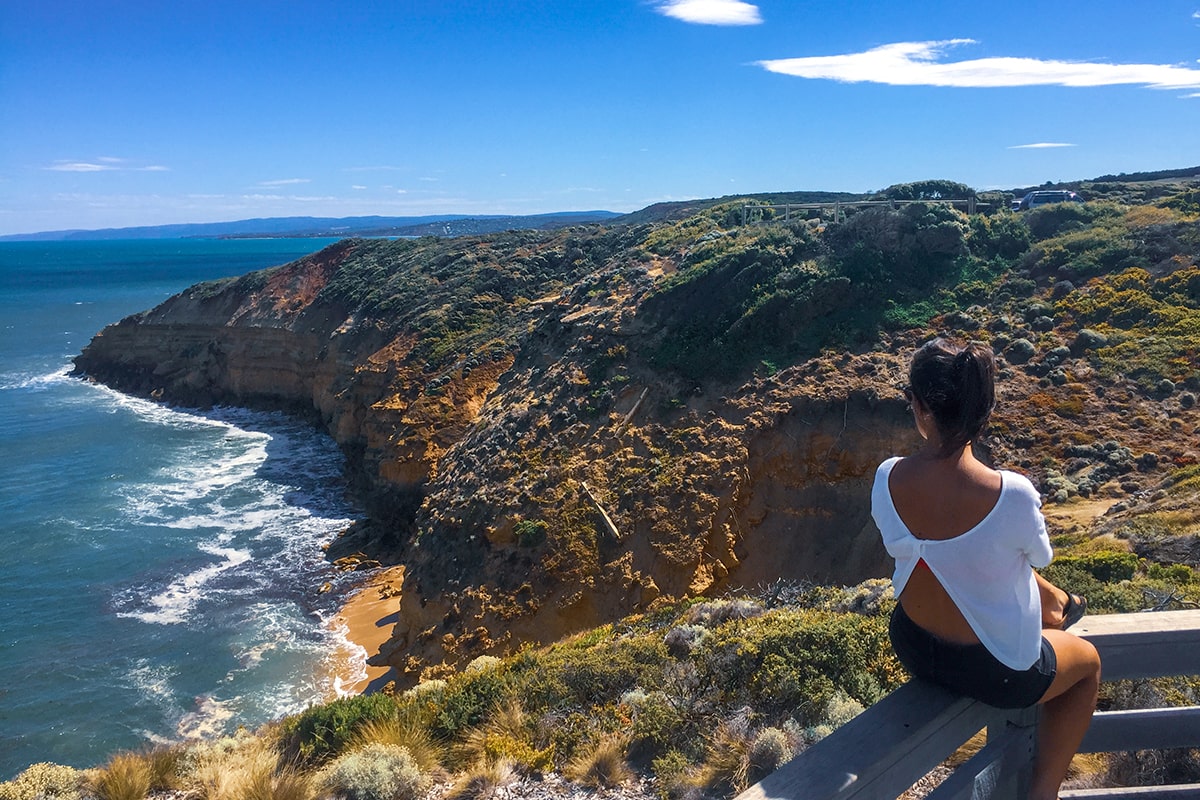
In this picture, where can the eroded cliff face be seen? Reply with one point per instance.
(528, 493)
(537, 472)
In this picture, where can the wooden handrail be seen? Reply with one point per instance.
(887, 748)
(971, 204)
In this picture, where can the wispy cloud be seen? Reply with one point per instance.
(1040, 145)
(103, 164)
(918, 64)
(292, 198)
(711, 12)
(284, 182)
(79, 166)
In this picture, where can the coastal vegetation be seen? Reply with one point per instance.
(625, 467)
(706, 696)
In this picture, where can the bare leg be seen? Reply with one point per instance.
(1067, 710)
(1054, 602)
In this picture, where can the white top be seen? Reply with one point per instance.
(987, 571)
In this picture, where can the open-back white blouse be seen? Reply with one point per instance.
(987, 571)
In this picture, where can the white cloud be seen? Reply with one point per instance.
(285, 182)
(711, 12)
(358, 186)
(103, 164)
(291, 198)
(916, 64)
(1040, 145)
(79, 166)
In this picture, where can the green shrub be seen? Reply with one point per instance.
(1107, 566)
(1103, 598)
(376, 772)
(1172, 573)
(658, 724)
(323, 731)
(468, 699)
(671, 770)
(44, 781)
(530, 533)
(1052, 220)
(583, 673)
(792, 662)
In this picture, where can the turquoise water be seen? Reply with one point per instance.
(160, 565)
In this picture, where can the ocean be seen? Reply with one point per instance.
(160, 566)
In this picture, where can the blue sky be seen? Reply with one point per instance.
(129, 112)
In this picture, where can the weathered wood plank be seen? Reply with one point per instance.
(879, 753)
(1189, 791)
(898, 740)
(1124, 640)
(990, 773)
(1143, 729)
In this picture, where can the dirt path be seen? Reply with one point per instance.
(1078, 515)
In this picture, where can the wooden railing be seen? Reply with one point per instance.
(882, 752)
(753, 212)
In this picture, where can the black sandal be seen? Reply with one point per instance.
(1073, 611)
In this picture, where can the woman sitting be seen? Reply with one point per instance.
(972, 615)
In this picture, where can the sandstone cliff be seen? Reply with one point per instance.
(551, 430)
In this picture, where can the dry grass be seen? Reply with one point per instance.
(727, 762)
(506, 737)
(243, 768)
(127, 776)
(404, 731)
(481, 781)
(164, 764)
(263, 780)
(602, 765)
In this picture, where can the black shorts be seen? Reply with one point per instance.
(969, 669)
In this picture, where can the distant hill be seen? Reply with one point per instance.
(288, 227)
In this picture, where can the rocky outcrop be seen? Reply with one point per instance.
(526, 455)
(528, 499)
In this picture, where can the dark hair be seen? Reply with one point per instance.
(957, 383)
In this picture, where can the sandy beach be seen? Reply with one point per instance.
(367, 619)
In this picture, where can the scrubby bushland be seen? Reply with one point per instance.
(778, 293)
(44, 780)
(742, 340)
